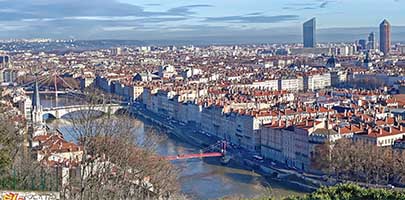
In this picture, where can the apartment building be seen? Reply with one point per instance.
(316, 81)
(291, 84)
(381, 137)
(289, 143)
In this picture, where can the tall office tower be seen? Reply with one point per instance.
(371, 41)
(309, 29)
(385, 37)
(362, 44)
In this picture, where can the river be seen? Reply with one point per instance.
(198, 179)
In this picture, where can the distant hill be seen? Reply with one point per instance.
(281, 35)
(273, 35)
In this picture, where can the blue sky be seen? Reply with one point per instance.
(188, 19)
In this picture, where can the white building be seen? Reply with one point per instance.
(294, 84)
(317, 81)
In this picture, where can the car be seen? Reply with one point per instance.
(258, 158)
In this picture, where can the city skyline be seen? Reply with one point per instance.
(203, 19)
(202, 99)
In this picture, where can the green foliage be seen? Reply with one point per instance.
(6, 146)
(351, 192)
(341, 192)
(5, 159)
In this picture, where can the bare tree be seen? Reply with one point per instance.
(117, 161)
(362, 162)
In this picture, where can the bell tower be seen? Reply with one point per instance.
(38, 125)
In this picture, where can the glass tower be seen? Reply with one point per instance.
(309, 29)
(371, 41)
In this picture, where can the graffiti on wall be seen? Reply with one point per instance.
(29, 195)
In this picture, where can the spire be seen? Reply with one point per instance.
(35, 96)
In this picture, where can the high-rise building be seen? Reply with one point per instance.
(385, 37)
(309, 33)
(371, 41)
(362, 44)
(116, 51)
(402, 49)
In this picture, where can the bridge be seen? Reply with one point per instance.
(51, 92)
(221, 145)
(197, 155)
(59, 112)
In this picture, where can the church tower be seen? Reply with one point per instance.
(38, 125)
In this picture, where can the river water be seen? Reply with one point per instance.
(198, 179)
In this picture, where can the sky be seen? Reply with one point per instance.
(216, 20)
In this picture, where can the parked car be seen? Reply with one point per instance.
(258, 158)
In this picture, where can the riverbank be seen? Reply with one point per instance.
(194, 137)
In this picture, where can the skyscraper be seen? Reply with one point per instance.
(371, 41)
(362, 44)
(309, 29)
(385, 37)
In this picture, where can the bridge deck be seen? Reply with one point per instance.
(197, 155)
(83, 107)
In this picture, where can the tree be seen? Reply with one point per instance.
(322, 156)
(18, 171)
(361, 162)
(117, 163)
(11, 140)
(351, 192)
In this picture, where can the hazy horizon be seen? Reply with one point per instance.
(275, 35)
(239, 21)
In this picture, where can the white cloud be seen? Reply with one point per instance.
(119, 28)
